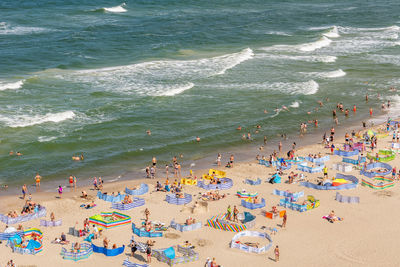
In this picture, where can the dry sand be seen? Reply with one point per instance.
(367, 237)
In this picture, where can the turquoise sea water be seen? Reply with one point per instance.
(93, 76)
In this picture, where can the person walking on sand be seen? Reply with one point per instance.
(133, 247)
(153, 172)
(229, 213)
(219, 157)
(284, 220)
(370, 112)
(24, 191)
(95, 183)
(147, 172)
(276, 252)
(235, 214)
(231, 159)
(179, 170)
(280, 146)
(325, 170)
(147, 214)
(37, 179)
(166, 171)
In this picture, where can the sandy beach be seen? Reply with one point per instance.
(366, 236)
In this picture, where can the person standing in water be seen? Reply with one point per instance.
(370, 112)
(37, 179)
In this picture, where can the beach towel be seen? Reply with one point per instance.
(170, 253)
(329, 219)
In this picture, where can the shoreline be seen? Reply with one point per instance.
(202, 165)
(243, 153)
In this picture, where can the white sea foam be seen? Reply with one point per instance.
(332, 33)
(353, 41)
(175, 90)
(11, 85)
(29, 120)
(157, 78)
(311, 58)
(385, 59)
(326, 74)
(295, 104)
(276, 113)
(306, 88)
(7, 29)
(363, 40)
(306, 47)
(333, 74)
(309, 47)
(116, 9)
(43, 139)
(278, 33)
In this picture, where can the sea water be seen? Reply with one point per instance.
(93, 76)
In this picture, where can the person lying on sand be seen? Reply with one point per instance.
(90, 205)
(333, 218)
(250, 244)
(187, 244)
(190, 221)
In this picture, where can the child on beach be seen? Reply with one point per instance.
(60, 190)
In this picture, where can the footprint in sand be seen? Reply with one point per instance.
(203, 242)
(384, 193)
(172, 236)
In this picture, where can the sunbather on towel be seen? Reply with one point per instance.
(333, 218)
